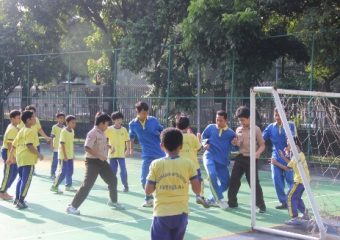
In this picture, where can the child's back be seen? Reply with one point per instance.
(172, 177)
(191, 146)
(293, 164)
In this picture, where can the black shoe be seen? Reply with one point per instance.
(15, 202)
(233, 205)
(282, 206)
(21, 205)
(263, 209)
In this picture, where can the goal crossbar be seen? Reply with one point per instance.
(275, 93)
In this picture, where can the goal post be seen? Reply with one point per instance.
(275, 94)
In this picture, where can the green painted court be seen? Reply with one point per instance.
(46, 218)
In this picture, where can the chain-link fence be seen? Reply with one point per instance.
(85, 82)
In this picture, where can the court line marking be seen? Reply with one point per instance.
(122, 222)
(94, 226)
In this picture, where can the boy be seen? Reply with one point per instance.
(242, 162)
(191, 146)
(37, 127)
(96, 163)
(217, 142)
(10, 171)
(55, 135)
(119, 141)
(26, 152)
(147, 130)
(276, 134)
(295, 201)
(66, 156)
(169, 177)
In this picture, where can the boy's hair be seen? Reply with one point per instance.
(222, 113)
(30, 108)
(117, 115)
(69, 118)
(285, 110)
(60, 114)
(140, 106)
(298, 143)
(183, 123)
(171, 138)
(25, 115)
(243, 112)
(14, 113)
(101, 117)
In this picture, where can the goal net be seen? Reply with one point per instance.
(316, 116)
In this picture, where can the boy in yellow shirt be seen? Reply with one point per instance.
(294, 198)
(10, 171)
(26, 152)
(36, 127)
(191, 145)
(55, 135)
(169, 178)
(66, 156)
(119, 143)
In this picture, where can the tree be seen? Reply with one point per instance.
(215, 27)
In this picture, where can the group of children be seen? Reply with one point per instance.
(169, 162)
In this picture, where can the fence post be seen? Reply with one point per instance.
(69, 85)
(312, 64)
(28, 94)
(2, 96)
(231, 106)
(311, 78)
(198, 98)
(114, 80)
(168, 83)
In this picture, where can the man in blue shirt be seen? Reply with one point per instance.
(276, 134)
(217, 141)
(147, 130)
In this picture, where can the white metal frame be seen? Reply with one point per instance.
(275, 93)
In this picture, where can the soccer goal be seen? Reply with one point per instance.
(317, 119)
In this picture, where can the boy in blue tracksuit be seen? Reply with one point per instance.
(276, 134)
(10, 171)
(217, 141)
(147, 130)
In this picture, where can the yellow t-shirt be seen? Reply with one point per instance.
(24, 156)
(190, 147)
(10, 134)
(292, 164)
(35, 127)
(171, 178)
(66, 137)
(117, 138)
(55, 134)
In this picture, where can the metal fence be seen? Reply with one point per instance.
(85, 82)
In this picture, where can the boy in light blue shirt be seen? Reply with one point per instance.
(147, 130)
(276, 134)
(217, 141)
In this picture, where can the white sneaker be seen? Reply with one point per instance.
(148, 203)
(212, 203)
(70, 189)
(223, 204)
(71, 210)
(115, 205)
